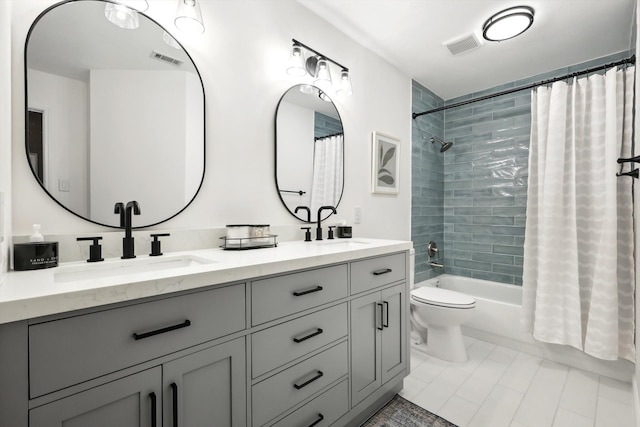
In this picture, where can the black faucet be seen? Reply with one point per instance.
(319, 228)
(306, 209)
(126, 223)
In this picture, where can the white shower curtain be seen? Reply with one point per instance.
(578, 280)
(326, 187)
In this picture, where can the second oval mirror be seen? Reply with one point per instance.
(309, 151)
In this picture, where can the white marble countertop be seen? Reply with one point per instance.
(29, 294)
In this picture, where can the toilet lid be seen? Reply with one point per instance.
(442, 297)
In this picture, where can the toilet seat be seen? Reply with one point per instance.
(442, 297)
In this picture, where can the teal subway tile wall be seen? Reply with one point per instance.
(483, 179)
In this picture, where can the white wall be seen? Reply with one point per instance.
(295, 148)
(5, 135)
(126, 110)
(64, 104)
(242, 58)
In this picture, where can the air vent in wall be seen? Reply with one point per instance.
(165, 58)
(462, 44)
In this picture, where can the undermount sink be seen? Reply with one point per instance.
(92, 271)
(340, 242)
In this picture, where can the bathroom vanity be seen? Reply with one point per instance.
(304, 334)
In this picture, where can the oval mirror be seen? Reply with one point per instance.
(309, 151)
(113, 114)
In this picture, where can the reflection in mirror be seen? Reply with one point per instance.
(309, 151)
(113, 115)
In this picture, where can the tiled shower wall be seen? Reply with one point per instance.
(427, 171)
(484, 181)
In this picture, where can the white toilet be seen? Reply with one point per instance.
(438, 314)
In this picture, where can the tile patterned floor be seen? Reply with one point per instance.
(500, 387)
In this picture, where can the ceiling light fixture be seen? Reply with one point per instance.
(317, 66)
(189, 17)
(508, 23)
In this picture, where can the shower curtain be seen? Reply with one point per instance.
(326, 187)
(578, 279)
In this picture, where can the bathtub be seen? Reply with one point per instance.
(497, 319)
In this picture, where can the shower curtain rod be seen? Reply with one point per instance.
(631, 60)
(328, 136)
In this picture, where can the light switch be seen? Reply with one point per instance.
(63, 185)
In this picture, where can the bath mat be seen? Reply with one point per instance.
(400, 412)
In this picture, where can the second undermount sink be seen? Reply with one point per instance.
(115, 268)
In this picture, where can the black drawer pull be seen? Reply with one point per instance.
(381, 327)
(144, 335)
(174, 401)
(308, 291)
(306, 383)
(320, 418)
(381, 272)
(154, 407)
(313, 334)
(385, 324)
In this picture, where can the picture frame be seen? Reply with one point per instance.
(385, 167)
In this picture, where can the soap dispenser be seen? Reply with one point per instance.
(35, 254)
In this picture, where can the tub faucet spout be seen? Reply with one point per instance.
(435, 265)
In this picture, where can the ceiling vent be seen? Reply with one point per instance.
(462, 44)
(165, 58)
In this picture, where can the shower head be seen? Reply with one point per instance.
(444, 145)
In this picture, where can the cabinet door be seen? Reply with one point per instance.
(366, 325)
(393, 340)
(133, 401)
(207, 388)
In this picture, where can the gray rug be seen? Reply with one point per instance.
(400, 412)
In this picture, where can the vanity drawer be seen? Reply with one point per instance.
(281, 344)
(324, 409)
(280, 392)
(283, 295)
(371, 273)
(75, 349)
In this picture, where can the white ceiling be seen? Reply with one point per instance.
(410, 34)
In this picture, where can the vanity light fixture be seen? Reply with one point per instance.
(508, 23)
(189, 17)
(318, 67)
(323, 75)
(122, 15)
(323, 96)
(296, 65)
(344, 88)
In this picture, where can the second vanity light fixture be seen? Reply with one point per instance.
(317, 66)
(124, 14)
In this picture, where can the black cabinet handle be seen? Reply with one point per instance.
(385, 324)
(381, 272)
(308, 291)
(154, 408)
(144, 335)
(381, 314)
(320, 418)
(306, 383)
(311, 335)
(174, 397)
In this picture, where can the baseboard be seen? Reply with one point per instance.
(636, 400)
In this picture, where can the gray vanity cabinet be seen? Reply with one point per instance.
(378, 341)
(132, 401)
(206, 388)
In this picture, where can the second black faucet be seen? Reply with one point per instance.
(128, 249)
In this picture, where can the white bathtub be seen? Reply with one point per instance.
(497, 319)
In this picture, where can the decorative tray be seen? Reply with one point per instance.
(240, 243)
